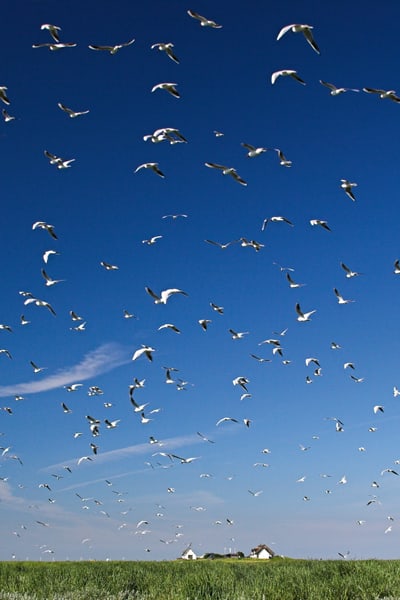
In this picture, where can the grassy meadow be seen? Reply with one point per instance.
(277, 579)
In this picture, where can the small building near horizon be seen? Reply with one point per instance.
(189, 554)
(262, 551)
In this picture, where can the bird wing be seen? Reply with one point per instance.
(283, 31)
(165, 294)
(309, 37)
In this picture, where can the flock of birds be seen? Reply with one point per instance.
(161, 458)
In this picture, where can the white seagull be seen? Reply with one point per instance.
(323, 224)
(340, 298)
(227, 171)
(49, 280)
(111, 49)
(347, 187)
(164, 295)
(48, 253)
(167, 48)
(253, 150)
(53, 30)
(390, 94)
(168, 87)
(108, 267)
(7, 118)
(55, 46)
(204, 22)
(152, 166)
(335, 91)
(349, 272)
(275, 220)
(303, 316)
(286, 73)
(71, 113)
(299, 28)
(146, 350)
(49, 228)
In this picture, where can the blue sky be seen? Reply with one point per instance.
(102, 211)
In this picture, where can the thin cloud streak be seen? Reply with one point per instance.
(121, 453)
(101, 360)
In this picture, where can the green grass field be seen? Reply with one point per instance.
(277, 579)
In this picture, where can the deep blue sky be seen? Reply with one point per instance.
(102, 211)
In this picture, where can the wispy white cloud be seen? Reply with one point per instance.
(101, 360)
(168, 445)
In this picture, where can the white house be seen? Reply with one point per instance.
(189, 554)
(262, 551)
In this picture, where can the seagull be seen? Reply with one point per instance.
(347, 187)
(174, 216)
(292, 283)
(111, 424)
(71, 113)
(303, 316)
(357, 379)
(378, 408)
(275, 220)
(169, 326)
(396, 267)
(6, 352)
(203, 437)
(348, 365)
(251, 243)
(82, 458)
(111, 49)
(152, 240)
(259, 358)
(227, 171)
(65, 408)
(3, 95)
(49, 280)
(218, 133)
(390, 94)
(5, 328)
(222, 246)
(305, 30)
(49, 253)
(55, 46)
(168, 87)
(35, 368)
(53, 31)
(59, 162)
(49, 228)
(164, 295)
(108, 266)
(167, 48)
(335, 91)
(152, 166)
(73, 387)
(170, 134)
(128, 315)
(323, 224)
(396, 392)
(349, 272)
(253, 150)
(218, 309)
(204, 323)
(146, 350)
(204, 22)
(38, 302)
(335, 346)
(224, 419)
(389, 471)
(255, 494)
(283, 161)
(340, 298)
(242, 381)
(74, 316)
(237, 335)
(310, 360)
(7, 118)
(286, 73)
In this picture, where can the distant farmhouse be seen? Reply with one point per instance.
(189, 554)
(262, 551)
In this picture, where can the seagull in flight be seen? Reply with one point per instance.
(303, 316)
(275, 220)
(111, 49)
(340, 298)
(222, 246)
(164, 295)
(347, 187)
(152, 240)
(152, 166)
(49, 280)
(292, 283)
(35, 368)
(286, 73)
(167, 48)
(390, 94)
(227, 171)
(49, 228)
(59, 162)
(349, 272)
(71, 113)
(218, 309)
(335, 91)
(224, 419)
(237, 335)
(323, 224)
(146, 350)
(55, 45)
(305, 30)
(38, 302)
(168, 87)
(109, 267)
(7, 118)
(204, 22)
(253, 150)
